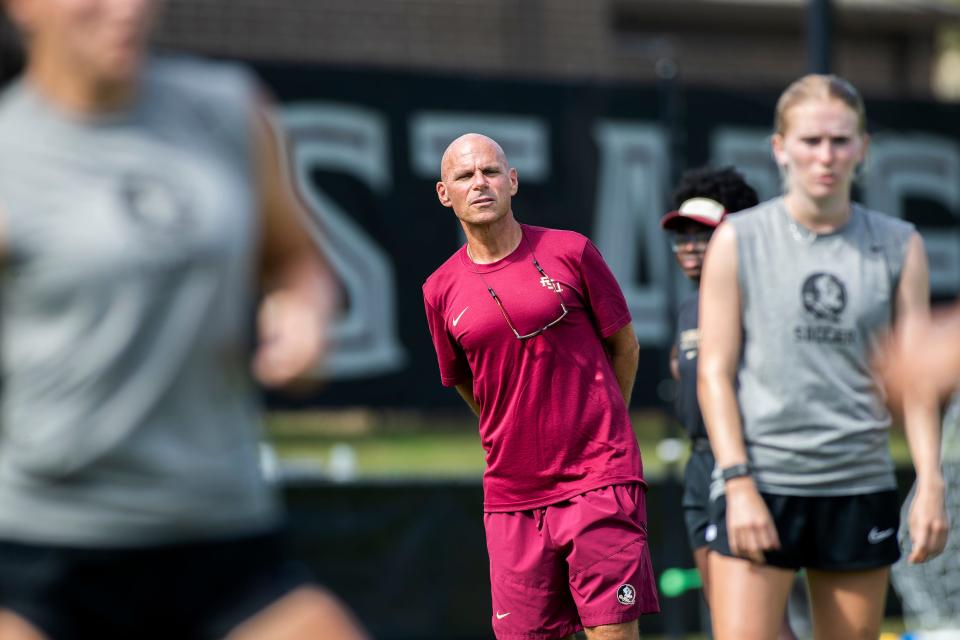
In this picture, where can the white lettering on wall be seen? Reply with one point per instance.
(630, 199)
(901, 165)
(632, 193)
(355, 141)
(525, 140)
(748, 149)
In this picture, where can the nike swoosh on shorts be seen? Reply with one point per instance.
(876, 536)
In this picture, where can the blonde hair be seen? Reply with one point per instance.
(820, 87)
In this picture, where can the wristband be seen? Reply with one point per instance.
(735, 471)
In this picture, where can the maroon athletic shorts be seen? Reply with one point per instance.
(580, 562)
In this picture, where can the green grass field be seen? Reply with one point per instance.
(409, 443)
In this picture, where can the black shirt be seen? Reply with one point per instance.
(688, 346)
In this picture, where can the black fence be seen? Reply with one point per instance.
(410, 556)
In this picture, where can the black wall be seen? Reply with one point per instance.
(596, 158)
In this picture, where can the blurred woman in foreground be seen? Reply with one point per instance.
(142, 210)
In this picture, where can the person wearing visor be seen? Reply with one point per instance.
(532, 329)
(702, 199)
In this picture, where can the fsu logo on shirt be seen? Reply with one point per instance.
(824, 296)
(690, 343)
(550, 283)
(154, 203)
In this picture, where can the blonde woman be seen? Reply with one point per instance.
(796, 296)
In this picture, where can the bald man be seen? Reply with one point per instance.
(532, 330)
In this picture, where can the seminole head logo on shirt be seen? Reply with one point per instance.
(824, 296)
(154, 203)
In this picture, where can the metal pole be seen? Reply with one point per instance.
(672, 614)
(819, 35)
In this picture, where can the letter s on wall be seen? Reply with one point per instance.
(353, 140)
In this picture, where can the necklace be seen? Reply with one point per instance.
(805, 235)
(800, 234)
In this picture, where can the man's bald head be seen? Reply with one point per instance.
(476, 181)
(469, 143)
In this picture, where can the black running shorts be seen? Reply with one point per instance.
(834, 533)
(184, 591)
(696, 495)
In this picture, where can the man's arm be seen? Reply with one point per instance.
(298, 290)
(927, 519)
(625, 354)
(465, 389)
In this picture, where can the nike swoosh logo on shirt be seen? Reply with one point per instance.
(501, 616)
(457, 319)
(876, 536)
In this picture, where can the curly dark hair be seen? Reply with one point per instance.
(725, 185)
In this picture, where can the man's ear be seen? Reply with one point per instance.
(442, 194)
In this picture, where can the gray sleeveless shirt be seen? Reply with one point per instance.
(129, 243)
(814, 308)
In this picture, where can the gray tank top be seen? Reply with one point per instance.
(814, 308)
(128, 413)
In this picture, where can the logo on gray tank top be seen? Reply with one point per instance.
(154, 202)
(824, 296)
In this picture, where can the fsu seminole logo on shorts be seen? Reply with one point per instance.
(626, 594)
